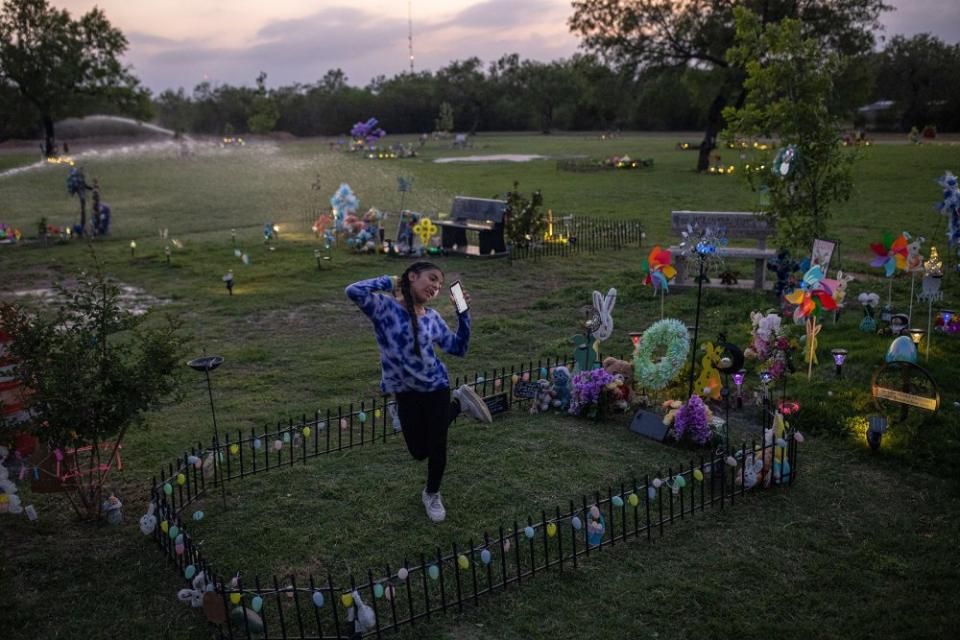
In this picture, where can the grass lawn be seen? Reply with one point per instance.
(862, 544)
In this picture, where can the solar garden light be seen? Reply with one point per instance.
(166, 252)
(917, 335)
(878, 425)
(738, 379)
(228, 280)
(233, 236)
(133, 248)
(318, 257)
(208, 364)
(839, 355)
(635, 338)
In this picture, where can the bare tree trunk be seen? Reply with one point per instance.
(714, 120)
(49, 145)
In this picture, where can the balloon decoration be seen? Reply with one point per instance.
(344, 203)
(368, 132)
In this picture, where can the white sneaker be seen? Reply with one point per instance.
(434, 506)
(472, 404)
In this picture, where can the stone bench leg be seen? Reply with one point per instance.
(681, 265)
(759, 271)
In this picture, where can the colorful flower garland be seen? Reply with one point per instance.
(670, 334)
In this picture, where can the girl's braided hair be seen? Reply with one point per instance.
(417, 267)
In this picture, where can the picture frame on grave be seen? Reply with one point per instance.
(406, 238)
(822, 254)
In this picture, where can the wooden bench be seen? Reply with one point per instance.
(738, 224)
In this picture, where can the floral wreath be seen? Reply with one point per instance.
(671, 334)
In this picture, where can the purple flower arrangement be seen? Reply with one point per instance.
(587, 388)
(693, 422)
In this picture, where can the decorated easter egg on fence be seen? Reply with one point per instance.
(389, 592)
(486, 557)
(181, 479)
(198, 464)
(731, 461)
(306, 432)
(277, 445)
(317, 599)
(616, 501)
(362, 416)
(543, 372)
(378, 590)
(257, 443)
(377, 413)
(781, 443)
(173, 532)
(575, 523)
(497, 383)
(179, 539)
(633, 499)
(526, 376)
(164, 526)
(433, 571)
(346, 600)
(698, 475)
(514, 378)
(192, 460)
(286, 438)
(551, 530)
(594, 512)
(219, 456)
(167, 488)
(189, 572)
(235, 598)
(178, 549)
(481, 380)
(656, 483)
(257, 603)
(680, 481)
(344, 424)
(506, 545)
(463, 562)
(402, 573)
(198, 515)
(529, 532)
(651, 493)
(798, 437)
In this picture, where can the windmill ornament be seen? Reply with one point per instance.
(812, 298)
(659, 272)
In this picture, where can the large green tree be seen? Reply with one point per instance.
(636, 34)
(59, 64)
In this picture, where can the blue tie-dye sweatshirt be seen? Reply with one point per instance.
(403, 370)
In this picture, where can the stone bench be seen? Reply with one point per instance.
(738, 224)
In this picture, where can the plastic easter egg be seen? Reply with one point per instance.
(433, 571)
(179, 539)
(189, 572)
(317, 599)
(198, 464)
(633, 499)
(543, 372)
(346, 600)
(277, 445)
(219, 456)
(463, 562)
(286, 438)
(680, 481)
(656, 483)
(402, 573)
(698, 475)
(173, 532)
(377, 413)
(616, 501)
(164, 526)
(515, 378)
(362, 416)
(344, 424)
(506, 545)
(181, 479)
(551, 530)
(529, 532)
(651, 493)
(497, 383)
(575, 523)
(480, 379)
(389, 592)
(526, 376)
(234, 449)
(594, 512)
(486, 557)
(257, 603)
(731, 461)
(378, 590)
(235, 598)
(781, 443)
(198, 515)
(178, 549)
(257, 443)
(798, 437)
(192, 460)
(306, 432)
(167, 488)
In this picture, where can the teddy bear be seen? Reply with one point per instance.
(624, 369)
(619, 393)
(544, 397)
(671, 407)
(561, 388)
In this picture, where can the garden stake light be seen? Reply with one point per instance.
(133, 248)
(738, 379)
(208, 364)
(839, 355)
(878, 425)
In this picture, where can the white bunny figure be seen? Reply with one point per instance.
(194, 597)
(604, 307)
(361, 615)
(148, 522)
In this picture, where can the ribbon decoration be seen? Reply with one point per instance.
(425, 229)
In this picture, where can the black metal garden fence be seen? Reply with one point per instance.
(574, 235)
(441, 579)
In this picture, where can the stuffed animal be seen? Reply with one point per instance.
(112, 509)
(194, 597)
(148, 521)
(840, 292)
(619, 393)
(671, 407)
(561, 388)
(361, 615)
(544, 397)
(624, 369)
(914, 258)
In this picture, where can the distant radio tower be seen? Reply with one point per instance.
(410, 31)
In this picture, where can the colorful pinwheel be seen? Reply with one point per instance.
(891, 253)
(812, 297)
(658, 269)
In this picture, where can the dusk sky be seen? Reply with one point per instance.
(178, 43)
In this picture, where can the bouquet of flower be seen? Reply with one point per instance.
(770, 344)
(587, 390)
(692, 421)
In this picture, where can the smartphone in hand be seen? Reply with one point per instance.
(456, 290)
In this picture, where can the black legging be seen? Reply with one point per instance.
(425, 417)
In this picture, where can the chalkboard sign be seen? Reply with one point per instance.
(649, 424)
(498, 403)
(526, 389)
